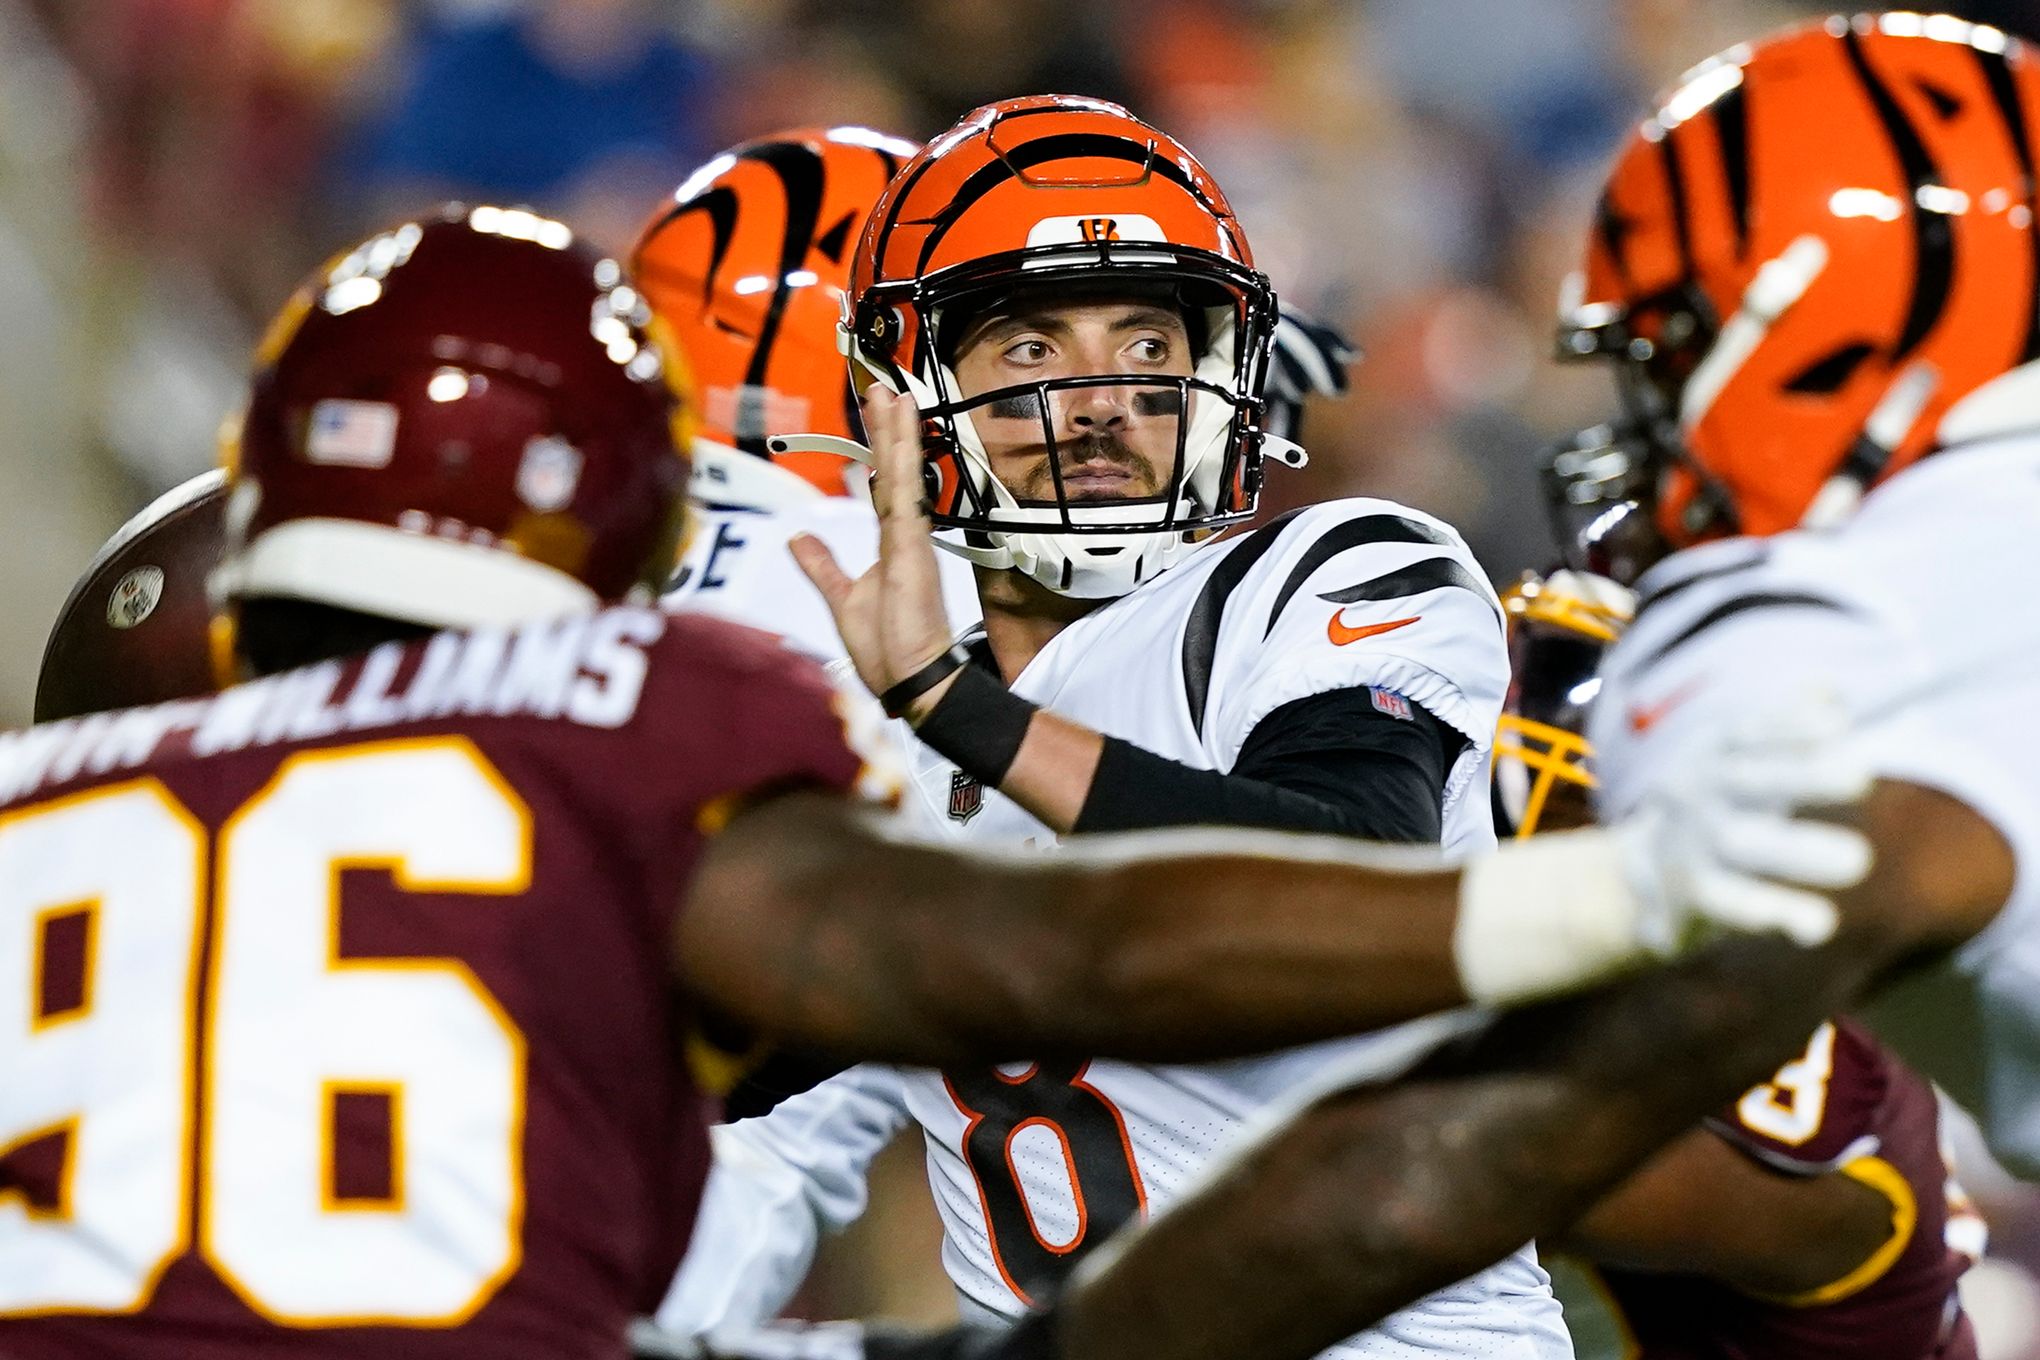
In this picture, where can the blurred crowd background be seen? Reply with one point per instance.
(1418, 171)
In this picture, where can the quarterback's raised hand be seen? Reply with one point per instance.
(891, 618)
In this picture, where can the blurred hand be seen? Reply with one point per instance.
(1732, 842)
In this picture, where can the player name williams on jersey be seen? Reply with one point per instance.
(335, 1011)
(1914, 615)
(1032, 1165)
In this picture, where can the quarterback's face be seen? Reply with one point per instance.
(1109, 442)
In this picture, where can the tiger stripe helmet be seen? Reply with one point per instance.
(1045, 193)
(1807, 265)
(1559, 625)
(748, 263)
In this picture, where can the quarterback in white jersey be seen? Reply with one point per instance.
(1816, 271)
(1341, 669)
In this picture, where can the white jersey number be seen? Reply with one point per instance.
(1790, 1106)
(103, 907)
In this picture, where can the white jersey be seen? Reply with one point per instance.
(1032, 1162)
(1917, 613)
(738, 566)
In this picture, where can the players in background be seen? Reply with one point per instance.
(1066, 297)
(349, 1003)
(1814, 1217)
(1817, 273)
(747, 265)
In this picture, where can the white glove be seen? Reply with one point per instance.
(1719, 845)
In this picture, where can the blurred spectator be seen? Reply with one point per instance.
(588, 108)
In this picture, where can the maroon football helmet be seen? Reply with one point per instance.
(135, 629)
(468, 420)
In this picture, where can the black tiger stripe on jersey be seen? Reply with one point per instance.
(1433, 573)
(2004, 94)
(1200, 632)
(1651, 599)
(1933, 233)
(1728, 609)
(1352, 533)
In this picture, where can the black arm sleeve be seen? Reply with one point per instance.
(1331, 762)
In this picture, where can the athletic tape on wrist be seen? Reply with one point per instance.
(1545, 916)
(978, 726)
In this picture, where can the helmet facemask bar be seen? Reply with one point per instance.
(1176, 505)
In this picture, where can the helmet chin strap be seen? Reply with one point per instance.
(1778, 284)
(1898, 411)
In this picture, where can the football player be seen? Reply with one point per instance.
(347, 1006)
(1060, 295)
(135, 628)
(1814, 1217)
(747, 265)
(1817, 273)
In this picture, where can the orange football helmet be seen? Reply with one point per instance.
(1559, 625)
(1048, 192)
(748, 265)
(1807, 265)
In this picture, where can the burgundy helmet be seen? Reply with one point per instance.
(135, 628)
(466, 421)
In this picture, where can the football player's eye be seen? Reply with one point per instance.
(1151, 349)
(1028, 351)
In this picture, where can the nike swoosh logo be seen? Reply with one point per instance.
(1643, 717)
(1341, 634)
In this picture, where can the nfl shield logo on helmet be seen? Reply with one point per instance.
(966, 797)
(549, 474)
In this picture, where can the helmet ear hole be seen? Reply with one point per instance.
(1832, 371)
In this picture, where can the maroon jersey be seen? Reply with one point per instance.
(335, 1011)
(1846, 1106)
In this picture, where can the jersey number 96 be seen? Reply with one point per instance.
(180, 1029)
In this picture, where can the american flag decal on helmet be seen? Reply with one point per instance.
(966, 797)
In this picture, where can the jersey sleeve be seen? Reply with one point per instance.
(1820, 1110)
(764, 719)
(1366, 595)
(1716, 643)
(779, 1183)
(1933, 686)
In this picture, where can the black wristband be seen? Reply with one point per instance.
(896, 698)
(978, 726)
